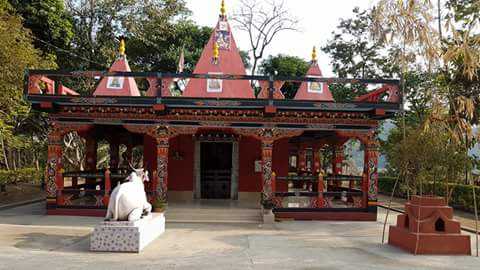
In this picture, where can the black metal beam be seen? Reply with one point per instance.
(58, 73)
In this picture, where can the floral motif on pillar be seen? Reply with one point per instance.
(267, 147)
(371, 168)
(161, 187)
(53, 177)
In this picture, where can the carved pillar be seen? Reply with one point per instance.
(160, 186)
(267, 149)
(53, 170)
(370, 172)
(267, 137)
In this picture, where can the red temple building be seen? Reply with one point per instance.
(219, 140)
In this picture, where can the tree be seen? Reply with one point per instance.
(452, 114)
(99, 24)
(284, 65)
(263, 22)
(161, 53)
(49, 22)
(355, 54)
(16, 53)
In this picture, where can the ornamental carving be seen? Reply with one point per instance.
(162, 130)
(58, 129)
(94, 101)
(267, 178)
(51, 174)
(162, 173)
(268, 134)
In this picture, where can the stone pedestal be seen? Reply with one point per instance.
(428, 227)
(127, 236)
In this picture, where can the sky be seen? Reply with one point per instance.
(318, 18)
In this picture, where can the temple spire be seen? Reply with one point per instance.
(223, 10)
(314, 54)
(121, 48)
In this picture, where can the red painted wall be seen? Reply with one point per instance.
(280, 162)
(181, 175)
(248, 179)
(180, 171)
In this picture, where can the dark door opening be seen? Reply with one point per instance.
(216, 170)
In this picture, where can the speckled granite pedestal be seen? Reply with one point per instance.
(127, 236)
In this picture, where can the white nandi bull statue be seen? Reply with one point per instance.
(128, 201)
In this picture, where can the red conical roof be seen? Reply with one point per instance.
(313, 90)
(118, 86)
(229, 62)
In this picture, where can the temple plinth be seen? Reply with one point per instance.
(428, 227)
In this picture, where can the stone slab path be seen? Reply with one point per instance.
(31, 240)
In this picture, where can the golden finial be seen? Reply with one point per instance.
(121, 48)
(222, 9)
(216, 51)
(314, 54)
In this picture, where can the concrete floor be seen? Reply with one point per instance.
(29, 240)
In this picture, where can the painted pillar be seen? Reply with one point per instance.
(114, 155)
(267, 149)
(317, 162)
(53, 170)
(91, 162)
(337, 162)
(370, 174)
(160, 186)
(302, 161)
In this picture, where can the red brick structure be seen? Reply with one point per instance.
(428, 227)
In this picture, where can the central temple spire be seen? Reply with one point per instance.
(220, 57)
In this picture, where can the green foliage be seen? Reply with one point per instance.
(25, 175)
(426, 155)
(355, 54)
(161, 53)
(284, 65)
(461, 195)
(464, 11)
(49, 23)
(16, 53)
(160, 203)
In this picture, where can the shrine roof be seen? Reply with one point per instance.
(118, 86)
(220, 56)
(317, 91)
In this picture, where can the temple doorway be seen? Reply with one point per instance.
(216, 170)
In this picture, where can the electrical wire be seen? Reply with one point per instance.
(70, 53)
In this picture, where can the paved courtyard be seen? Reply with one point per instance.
(30, 240)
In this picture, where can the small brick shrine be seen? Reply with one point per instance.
(437, 233)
